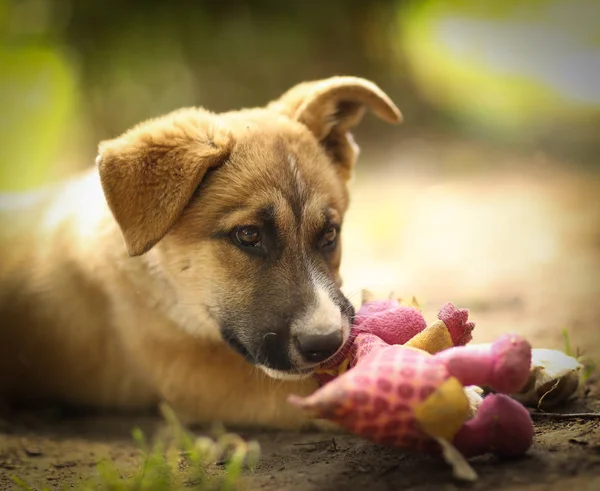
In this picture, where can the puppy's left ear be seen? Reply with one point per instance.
(330, 108)
(150, 173)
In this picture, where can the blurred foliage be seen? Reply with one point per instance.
(514, 68)
(31, 128)
(76, 72)
(148, 57)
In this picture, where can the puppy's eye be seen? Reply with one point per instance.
(329, 237)
(247, 236)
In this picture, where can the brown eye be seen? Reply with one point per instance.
(247, 236)
(329, 237)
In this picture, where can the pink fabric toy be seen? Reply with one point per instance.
(388, 385)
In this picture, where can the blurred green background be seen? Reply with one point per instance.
(488, 195)
(518, 74)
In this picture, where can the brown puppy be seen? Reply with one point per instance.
(225, 295)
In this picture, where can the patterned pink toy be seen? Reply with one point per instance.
(395, 392)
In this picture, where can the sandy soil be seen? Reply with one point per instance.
(515, 239)
(62, 452)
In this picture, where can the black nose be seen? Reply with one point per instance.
(315, 348)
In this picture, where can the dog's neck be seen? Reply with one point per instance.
(139, 283)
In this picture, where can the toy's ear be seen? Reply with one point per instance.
(331, 107)
(150, 173)
(366, 296)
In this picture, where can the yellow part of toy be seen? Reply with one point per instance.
(410, 303)
(432, 339)
(443, 413)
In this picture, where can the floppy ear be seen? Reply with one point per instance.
(330, 108)
(150, 173)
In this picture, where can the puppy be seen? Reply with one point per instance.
(197, 264)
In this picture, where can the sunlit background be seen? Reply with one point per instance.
(488, 195)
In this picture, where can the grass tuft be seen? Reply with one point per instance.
(589, 366)
(176, 461)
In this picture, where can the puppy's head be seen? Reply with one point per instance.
(241, 213)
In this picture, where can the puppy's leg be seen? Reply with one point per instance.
(210, 383)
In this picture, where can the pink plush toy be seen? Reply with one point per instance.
(388, 385)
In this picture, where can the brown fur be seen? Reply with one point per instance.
(88, 321)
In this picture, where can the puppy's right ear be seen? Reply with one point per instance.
(331, 108)
(150, 173)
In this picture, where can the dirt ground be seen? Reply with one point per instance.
(516, 239)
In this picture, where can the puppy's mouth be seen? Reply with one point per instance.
(285, 369)
(232, 340)
(296, 374)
